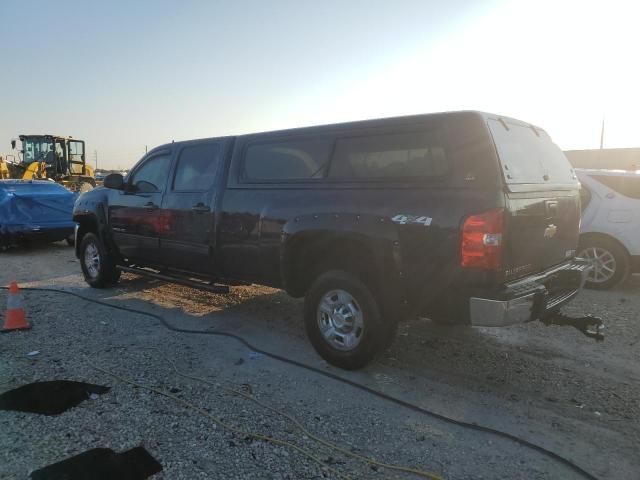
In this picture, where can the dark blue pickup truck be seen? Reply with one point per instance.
(464, 217)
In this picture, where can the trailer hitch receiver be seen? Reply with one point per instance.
(589, 325)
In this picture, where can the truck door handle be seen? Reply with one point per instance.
(150, 206)
(200, 208)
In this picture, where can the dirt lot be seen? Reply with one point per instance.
(550, 385)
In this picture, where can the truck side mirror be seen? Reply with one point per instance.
(13, 144)
(115, 181)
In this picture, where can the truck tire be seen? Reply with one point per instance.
(343, 320)
(610, 262)
(98, 267)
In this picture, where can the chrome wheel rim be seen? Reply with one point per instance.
(92, 260)
(603, 264)
(340, 320)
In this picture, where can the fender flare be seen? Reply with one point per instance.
(95, 216)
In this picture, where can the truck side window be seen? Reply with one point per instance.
(399, 155)
(287, 160)
(151, 175)
(196, 169)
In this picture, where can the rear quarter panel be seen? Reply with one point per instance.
(414, 252)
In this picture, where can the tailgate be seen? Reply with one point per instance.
(541, 230)
(542, 198)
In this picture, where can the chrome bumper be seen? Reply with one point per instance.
(485, 312)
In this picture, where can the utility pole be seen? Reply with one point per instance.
(95, 157)
(602, 134)
(146, 150)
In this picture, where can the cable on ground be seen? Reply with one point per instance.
(300, 425)
(472, 426)
(226, 426)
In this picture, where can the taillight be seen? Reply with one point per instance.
(481, 245)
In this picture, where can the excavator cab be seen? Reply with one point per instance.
(61, 159)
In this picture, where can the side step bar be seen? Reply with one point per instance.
(179, 280)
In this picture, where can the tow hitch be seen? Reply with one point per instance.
(589, 325)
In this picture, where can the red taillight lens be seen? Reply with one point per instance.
(481, 245)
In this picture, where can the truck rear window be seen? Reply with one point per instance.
(527, 155)
(197, 166)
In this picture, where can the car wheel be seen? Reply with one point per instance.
(610, 263)
(343, 320)
(98, 267)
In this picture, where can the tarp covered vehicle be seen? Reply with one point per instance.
(35, 210)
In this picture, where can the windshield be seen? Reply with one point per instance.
(527, 154)
(37, 150)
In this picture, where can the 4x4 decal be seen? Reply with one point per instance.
(404, 219)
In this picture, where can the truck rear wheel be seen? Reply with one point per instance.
(98, 267)
(343, 320)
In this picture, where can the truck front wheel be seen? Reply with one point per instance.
(98, 267)
(343, 320)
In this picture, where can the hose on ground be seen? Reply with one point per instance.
(416, 408)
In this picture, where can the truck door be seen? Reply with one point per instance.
(188, 207)
(134, 213)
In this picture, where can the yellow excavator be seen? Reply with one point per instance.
(61, 159)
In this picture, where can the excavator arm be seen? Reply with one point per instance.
(34, 171)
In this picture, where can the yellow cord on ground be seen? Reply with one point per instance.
(303, 429)
(326, 443)
(224, 425)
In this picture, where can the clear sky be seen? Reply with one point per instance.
(125, 74)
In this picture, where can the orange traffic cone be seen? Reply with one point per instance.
(14, 318)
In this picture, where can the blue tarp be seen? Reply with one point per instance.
(34, 208)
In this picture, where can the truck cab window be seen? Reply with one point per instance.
(151, 175)
(197, 166)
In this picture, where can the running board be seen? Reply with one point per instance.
(181, 281)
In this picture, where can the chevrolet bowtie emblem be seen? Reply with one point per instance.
(550, 231)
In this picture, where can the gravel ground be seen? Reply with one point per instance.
(550, 385)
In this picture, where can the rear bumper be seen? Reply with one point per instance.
(530, 298)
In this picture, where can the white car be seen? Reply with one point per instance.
(610, 226)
